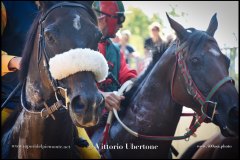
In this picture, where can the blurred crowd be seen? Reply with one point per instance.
(134, 59)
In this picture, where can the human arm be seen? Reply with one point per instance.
(112, 100)
(9, 63)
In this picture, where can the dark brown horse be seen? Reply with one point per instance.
(59, 83)
(154, 105)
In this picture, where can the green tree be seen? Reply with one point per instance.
(156, 18)
(137, 22)
(176, 13)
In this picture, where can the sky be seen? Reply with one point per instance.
(198, 16)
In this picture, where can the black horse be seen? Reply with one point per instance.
(59, 83)
(183, 76)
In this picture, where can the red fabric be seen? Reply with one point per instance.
(125, 73)
(102, 47)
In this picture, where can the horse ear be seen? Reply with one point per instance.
(213, 25)
(178, 28)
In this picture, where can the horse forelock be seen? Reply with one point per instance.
(197, 39)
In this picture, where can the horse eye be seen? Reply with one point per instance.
(195, 60)
(49, 35)
(50, 39)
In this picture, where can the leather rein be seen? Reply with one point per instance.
(193, 90)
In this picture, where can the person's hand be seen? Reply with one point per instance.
(14, 63)
(112, 100)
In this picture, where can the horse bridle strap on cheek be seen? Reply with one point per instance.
(193, 90)
(45, 57)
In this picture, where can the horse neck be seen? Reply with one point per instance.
(34, 131)
(153, 105)
(153, 111)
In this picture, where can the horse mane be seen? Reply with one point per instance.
(196, 39)
(156, 56)
(27, 51)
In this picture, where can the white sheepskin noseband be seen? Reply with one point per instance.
(76, 60)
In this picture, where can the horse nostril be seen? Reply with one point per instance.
(77, 105)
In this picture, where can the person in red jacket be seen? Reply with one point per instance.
(110, 16)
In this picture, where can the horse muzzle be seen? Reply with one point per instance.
(85, 111)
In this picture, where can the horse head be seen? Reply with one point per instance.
(201, 77)
(68, 62)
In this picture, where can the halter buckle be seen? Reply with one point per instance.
(214, 109)
(67, 100)
(41, 113)
(187, 138)
(194, 134)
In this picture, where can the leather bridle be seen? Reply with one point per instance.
(49, 110)
(193, 90)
